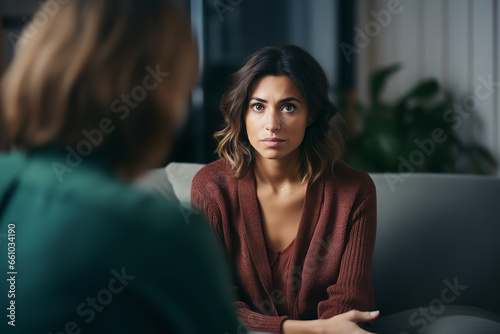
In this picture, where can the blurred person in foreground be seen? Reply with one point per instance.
(91, 101)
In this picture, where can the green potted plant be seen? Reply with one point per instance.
(412, 134)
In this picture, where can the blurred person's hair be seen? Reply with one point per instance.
(69, 74)
(323, 140)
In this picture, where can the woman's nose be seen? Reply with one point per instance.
(273, 122)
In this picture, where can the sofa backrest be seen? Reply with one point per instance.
(433, 232)
(437, 236)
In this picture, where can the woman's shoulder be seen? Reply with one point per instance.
(219, 166)
(350, 177)
(215, 170)
(217, 173)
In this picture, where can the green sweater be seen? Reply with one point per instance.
(91, 254)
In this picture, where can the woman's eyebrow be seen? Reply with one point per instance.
(288, 99)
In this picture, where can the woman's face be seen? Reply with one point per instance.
(276, 118)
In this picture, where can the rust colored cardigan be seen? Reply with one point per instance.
(331, 264)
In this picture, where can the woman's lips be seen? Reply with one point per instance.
(272, 142)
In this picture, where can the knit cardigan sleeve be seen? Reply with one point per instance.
(259, 322)
(353, 287)
(209, 212)
(201, 193)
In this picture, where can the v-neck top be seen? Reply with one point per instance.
(330, 261)
(279, 261)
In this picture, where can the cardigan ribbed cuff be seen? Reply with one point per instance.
(259, 322)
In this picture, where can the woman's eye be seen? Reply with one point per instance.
(257, 107)
(288, 108)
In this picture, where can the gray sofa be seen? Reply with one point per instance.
(438, 241)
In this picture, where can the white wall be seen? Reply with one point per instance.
(455, 41)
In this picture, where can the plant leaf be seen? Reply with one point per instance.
(424, 90)
(378, 81)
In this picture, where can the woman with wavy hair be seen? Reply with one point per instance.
(298, 224)
(92, 100)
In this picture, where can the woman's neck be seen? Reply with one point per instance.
(278, 174)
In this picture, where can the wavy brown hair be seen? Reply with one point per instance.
(323, 142)
(70, 74)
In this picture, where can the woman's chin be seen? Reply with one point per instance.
(273, 155)
(270, 155)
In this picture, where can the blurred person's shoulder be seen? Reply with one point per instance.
(85, 190)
